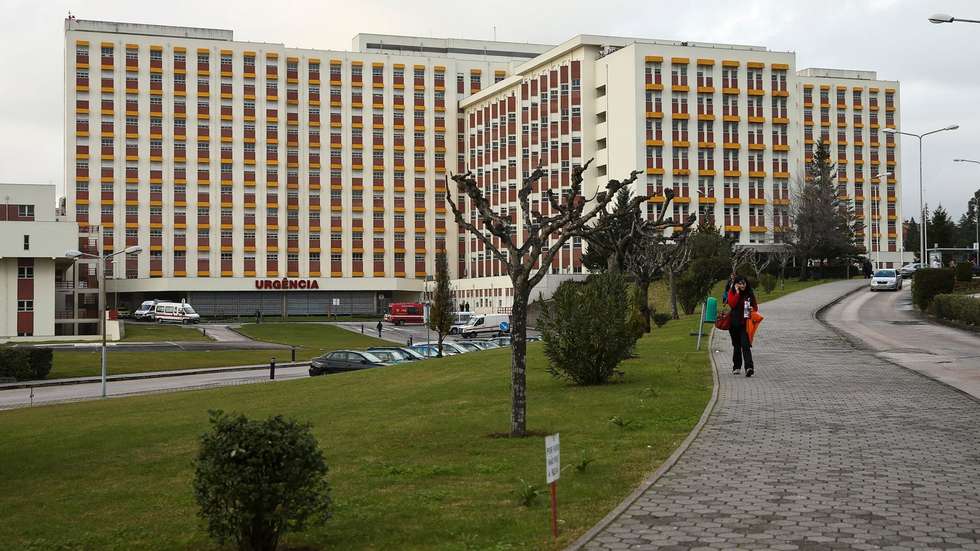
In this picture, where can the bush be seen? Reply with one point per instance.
(768, 282)
(40, 360)
(257, 479)
(929, 282)
(15, 363)
(584, 329)
(964, 271)
(961, 308)
(695, 284)
(661, 319)
(25, 364)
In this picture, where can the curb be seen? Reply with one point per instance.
(664, 467)
(154, 375)
(858, 344)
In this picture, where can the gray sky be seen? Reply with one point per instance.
(936, 64)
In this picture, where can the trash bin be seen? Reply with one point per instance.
(711, 310)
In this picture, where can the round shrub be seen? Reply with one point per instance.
(256, 480)
(15, 363)
(964, 271)
(768, 283)
(585, 330)
(929, 282)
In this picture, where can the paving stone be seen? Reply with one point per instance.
(826, 447)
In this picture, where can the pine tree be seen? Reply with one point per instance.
(912, 236)
(441, 307)
(942, 230)
(823, 223)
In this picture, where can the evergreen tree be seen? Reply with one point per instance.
(942, 230)
(912, 236)
(608, 248)
(441, 306)
(823, 224)
(966, 228)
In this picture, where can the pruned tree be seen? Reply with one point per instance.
(756, 260)
(441, 306)
(526, 249)
(782, 255)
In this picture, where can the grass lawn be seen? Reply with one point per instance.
(412, 463)
(145, 332)
(311, 340)
(660, 293)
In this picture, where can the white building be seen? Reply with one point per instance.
(247, 168)
(32, 260)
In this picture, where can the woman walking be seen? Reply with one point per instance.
(742, 302)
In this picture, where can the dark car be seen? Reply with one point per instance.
(406, 354)
(341, 361)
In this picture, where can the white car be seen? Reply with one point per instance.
(886, 279)
(909, 269)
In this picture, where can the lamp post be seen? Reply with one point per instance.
(940, 18)
(976, 206)
(922, 225)
(102, 298)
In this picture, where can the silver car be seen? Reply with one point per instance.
(889, 280)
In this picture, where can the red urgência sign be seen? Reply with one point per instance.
(286, 283)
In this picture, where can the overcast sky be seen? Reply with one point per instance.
(936, 64)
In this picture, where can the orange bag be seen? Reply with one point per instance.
(752, 324)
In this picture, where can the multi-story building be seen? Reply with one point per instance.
(245, 168)
(33, 261)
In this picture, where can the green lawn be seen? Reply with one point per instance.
(660, 292)
(311, 339)
(144, 332)
(413, 465)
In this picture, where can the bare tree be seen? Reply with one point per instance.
(526, 251)
(782, 255)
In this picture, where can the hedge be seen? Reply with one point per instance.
(961, 308)
(25, 364)
(964, 271)
(929, 282)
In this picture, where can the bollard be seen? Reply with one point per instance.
(272, 369)
(362, 328)
(293, 351)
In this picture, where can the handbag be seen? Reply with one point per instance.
(724, 321)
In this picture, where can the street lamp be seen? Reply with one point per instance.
(875, 198)
(102, 300)
(976, 206)
(922, 225)
(939, 18)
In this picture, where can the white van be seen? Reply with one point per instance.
(460, 320)
(146, 310)
(486, 325)
(176, 312)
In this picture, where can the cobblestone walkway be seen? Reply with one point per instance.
(827, 447)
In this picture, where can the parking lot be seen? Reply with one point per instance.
(402, 333)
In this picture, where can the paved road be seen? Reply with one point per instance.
(67, 393)
(888, 325)
(827, 447)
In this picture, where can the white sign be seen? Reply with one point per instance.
(552, 457)
(336, 301)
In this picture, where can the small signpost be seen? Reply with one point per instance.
(552, 457)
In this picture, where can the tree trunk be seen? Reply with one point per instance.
(643, 290)
(518, 359)
(673, 295)
(612, 263)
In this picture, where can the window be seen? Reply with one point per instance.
(27, 242)
(25, 272)
(25, 211)
(25, 305)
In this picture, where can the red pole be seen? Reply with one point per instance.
(554, 509)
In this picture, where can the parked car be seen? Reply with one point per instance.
(486, 325)
(467, 346)
(886, 279)
(909, 269)
(481, 344)
(175, 312)
(340, 361)
(391, 357)
(501, 341)
(431, 349)
(407, 353)
(123, 312)
(146, 310)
